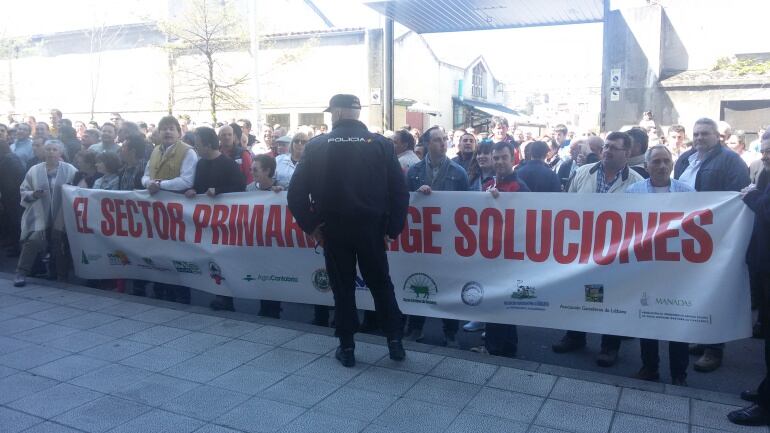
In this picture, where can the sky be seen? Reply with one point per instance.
(532, 57)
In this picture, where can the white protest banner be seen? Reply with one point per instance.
(667, 266)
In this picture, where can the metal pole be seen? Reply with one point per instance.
(256, 118)
(387, 108)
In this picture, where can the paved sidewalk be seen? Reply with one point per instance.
(75, 359)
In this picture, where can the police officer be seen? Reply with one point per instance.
(349, 193)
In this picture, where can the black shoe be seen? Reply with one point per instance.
(679, 380)
(346, 356)
(752, 396)
(568, 344)
(648, 374)
(752, 415)
(396, 350)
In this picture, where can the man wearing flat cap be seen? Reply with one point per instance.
(349, 193)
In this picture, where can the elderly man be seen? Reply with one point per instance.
(660, 164)
(757, 198)
(610, 175)
(42, 224)
(90, 137)
(709, 166)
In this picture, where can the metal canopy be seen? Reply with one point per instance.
(439, 16)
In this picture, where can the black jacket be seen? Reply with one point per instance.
(722, 170)
(758, 253)
(538, 176)
(349, 172)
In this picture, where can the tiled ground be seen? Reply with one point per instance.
(74, 359)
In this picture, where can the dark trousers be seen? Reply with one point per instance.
(764, 312)
(270, 309)
(347, 241)
(678, 356)
(172, 292)
(501, 340)
(610, 342)
(418, 322)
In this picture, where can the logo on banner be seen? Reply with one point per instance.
(278, 278)
(644, 301)
(594, 292)
(360, 284)
(472, 293)
(148, 263)
(215, 272)
(186, 267)
(118, 258)
(420, 288)
(86, 259)
(321, 280)
(522, 291)
(249, 278)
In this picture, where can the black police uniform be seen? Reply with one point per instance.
(350, 181)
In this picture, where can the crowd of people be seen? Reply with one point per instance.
(37, 158)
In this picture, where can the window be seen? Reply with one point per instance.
(479, 89)
(278, 119)
(314, 119)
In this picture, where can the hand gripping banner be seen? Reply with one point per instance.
(664, 266)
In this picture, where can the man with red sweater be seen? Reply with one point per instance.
(502, 340)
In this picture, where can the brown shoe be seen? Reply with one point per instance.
(607, 358)
(710, 361)
(648, 374)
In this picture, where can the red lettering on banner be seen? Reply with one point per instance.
(616, 233)
(177, 226)
(663, 234)
(545, 235)
(428, 228)
(411, 241)
(160, 219)
(120, 215)
(292, 231)
(642, 239)
(465, 245)
(573, 219)
(490, 220)
(80, 207)
(273, 227)
(218, 228)
(587, 236)
(700, 235)
(201, 218)
(509, 233)
(231, 225)
(145, 206)
(241, 221)
(134, 228)
(253, 231)
(108, 224)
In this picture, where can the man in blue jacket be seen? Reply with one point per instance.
(709, 166)
(435, 173)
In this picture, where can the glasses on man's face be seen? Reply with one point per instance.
(300, 142)
(608, 146)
